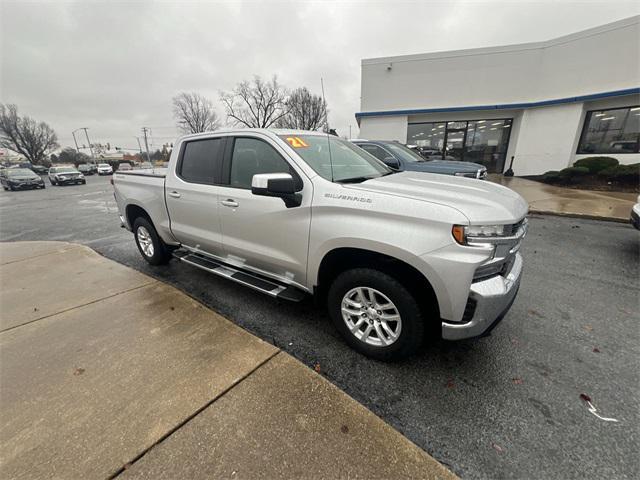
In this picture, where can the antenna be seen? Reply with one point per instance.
(326, 122)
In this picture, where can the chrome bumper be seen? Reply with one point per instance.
(493, 297)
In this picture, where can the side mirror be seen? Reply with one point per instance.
(280, 185)
(391, 162)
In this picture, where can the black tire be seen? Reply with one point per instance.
(52, 182)
(11, 188)
(412, 331)
(161, 253)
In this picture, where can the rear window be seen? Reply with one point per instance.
(200, 161)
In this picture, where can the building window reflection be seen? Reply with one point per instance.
(479, 141)
(611, 131)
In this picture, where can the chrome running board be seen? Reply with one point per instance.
(251, 280)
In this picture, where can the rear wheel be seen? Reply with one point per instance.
(150, 245)
(376, 314)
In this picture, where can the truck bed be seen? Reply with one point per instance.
(144, 188)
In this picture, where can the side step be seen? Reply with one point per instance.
(251, 280)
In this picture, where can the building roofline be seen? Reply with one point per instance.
(618, 24)
(504, 106)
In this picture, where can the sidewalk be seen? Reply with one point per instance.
(550, 199)
(107, 372)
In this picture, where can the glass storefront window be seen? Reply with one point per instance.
(480, 141)
(611, 131)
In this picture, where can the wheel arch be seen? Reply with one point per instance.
(341, 259)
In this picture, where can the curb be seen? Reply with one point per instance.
(579, 215)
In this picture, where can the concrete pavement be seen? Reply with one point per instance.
(105, 372)
(556, 200)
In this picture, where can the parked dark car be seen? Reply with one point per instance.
(65, 176)
(86, 169)
(20, 178)
(400, 157)
(39, 169)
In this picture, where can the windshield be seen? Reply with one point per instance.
(15, 172)
(65, 170)
(403, 152)
(102, 165)
(335, 159)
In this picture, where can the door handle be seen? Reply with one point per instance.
(229, 202)
(174, 194)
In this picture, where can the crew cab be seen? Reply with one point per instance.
(393, 255)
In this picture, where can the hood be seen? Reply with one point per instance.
(482, 202)
(22, 178)
(443, 166)
(456, 163)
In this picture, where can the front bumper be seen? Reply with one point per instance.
(26, 185)
(490, 300)
(71, 181)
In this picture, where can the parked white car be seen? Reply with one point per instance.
(104, 169)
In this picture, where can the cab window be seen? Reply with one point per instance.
(374, 150)
(201, 161)
(252, 156)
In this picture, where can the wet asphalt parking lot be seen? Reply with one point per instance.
(506, 406)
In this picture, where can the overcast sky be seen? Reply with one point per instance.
(114, 66)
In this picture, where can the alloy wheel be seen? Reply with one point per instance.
(371, 316)
(145, 241)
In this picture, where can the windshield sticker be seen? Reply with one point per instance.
(296, 142)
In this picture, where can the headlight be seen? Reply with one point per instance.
(81, 176)
(464, 233)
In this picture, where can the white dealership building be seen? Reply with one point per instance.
(546, 104)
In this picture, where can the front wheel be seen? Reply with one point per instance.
(376, 314)
(149, 243)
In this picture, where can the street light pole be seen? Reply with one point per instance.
(74, 139)
(89, 142)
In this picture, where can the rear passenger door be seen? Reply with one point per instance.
(260, 233)
(191, 193)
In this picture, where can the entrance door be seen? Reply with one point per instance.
(455, 140)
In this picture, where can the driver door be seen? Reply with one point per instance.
(260, 233)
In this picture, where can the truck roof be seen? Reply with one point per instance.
(268, 131)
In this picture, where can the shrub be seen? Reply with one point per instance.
(571, 172)
(551, 176)
(622, 173)
(596, 164)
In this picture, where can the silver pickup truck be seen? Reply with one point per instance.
(394, 255)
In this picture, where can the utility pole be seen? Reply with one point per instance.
(146, 143)
(74, 139)
(349, 132)
(89, 142)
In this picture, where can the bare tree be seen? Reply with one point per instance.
(305, 111)
(26, 136)
(194, 113)
(256, 104)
